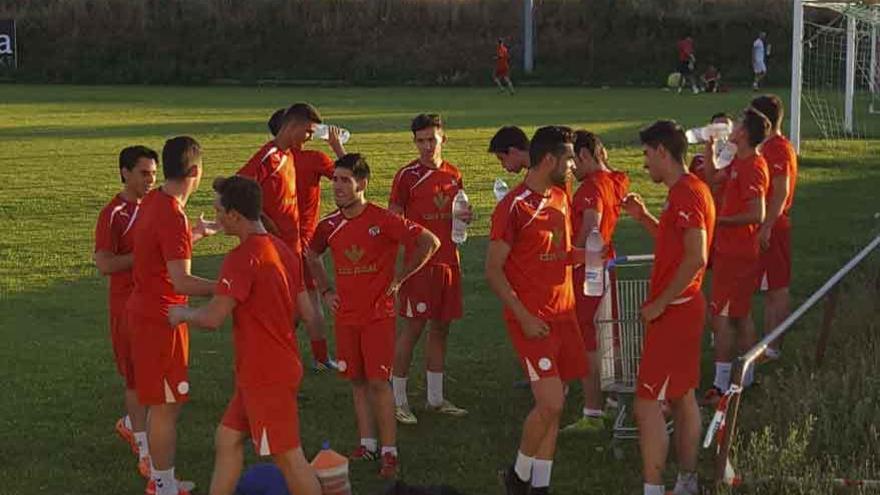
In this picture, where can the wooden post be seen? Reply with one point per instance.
(827, 320)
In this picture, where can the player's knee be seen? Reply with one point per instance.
(227, 440)
(550, 408)
(377, 386)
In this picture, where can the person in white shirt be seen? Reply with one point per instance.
(760, 50)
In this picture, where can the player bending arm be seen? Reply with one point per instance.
(754, 213)
(185, 282)
(108, 263)
(635, 207)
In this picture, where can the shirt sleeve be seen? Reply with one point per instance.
(326, 166)
(401, 230)
(236, 277)
(503, 226)
(778, 163)
(689, 211)
(587, 199)
(399, 191)
(176, 241)
(753, 181)
(104, 238)
(318, 244)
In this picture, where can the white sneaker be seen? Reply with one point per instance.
(404, 415)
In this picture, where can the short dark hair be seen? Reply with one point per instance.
(426, 120)
(590, 141)
(720, 115)
(130, 155)
(772, 107)
(179, 155)
(355, 162)
(666, 133)
(549, 139)
(509, 137)
(300, 112)
(240, 194)
(276, 121)
(757, 126)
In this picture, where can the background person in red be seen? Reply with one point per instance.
(528, 266)
(422, 192)
(775, 233)
(273, 167)
(364, 241)
(114, 239)
(511, 146)
(260, 284)
(162, 259)
(311, 166)
(596, 204)
(736, 261)
(675, 309)
(501, 76)
(687, 61)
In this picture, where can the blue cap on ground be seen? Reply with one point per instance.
(262, 479)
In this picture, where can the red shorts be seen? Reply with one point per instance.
(560, 354)
(776, 260)
(734, 281)
(270, 414)
(366, 351)
(432, 293)
(670, 364)
(502, 70)
(161, 360)
(120, 339)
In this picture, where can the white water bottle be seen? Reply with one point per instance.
(724, 154)
(500, 189)
(594, 268)
(460, 206)
(322, 131)
(718, 131)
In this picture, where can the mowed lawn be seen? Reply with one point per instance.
(58, 159)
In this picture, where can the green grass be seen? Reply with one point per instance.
(58, 167)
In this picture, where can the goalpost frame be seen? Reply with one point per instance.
(797, 56)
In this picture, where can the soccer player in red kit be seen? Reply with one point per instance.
(775, 233)
(261, 285)
(675, 309)
(161, 271)
(364, 241)
(502, 67)
(528, 266)
(423, 192)
(736, 264)
(595, 205)
(273, 167)
(511, 146)
(114, 238)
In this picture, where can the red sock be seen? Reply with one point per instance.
(319, 350)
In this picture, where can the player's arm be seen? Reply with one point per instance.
(186, 283)
(496, 256)
(775, 206)
(209, 316)
(635, 207)
(592, 218)
(334, 142)
(108, 262)
(204, 228)
(304, 307)
(694, 258)
(426, 244)
(322, 281)
(754, 213)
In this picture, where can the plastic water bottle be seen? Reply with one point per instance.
(332, 471)
(500, 189)
(717, 131)
(724, 154)
(460, 206)
(322, 131)
(594, 268)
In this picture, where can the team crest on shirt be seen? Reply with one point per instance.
(354, 253)
(374, 231)
(441, 200)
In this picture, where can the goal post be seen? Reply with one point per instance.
(834, 70)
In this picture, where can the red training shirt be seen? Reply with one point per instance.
(602, 191)
(114, 233)
(274, 170)
(311, 165)
(748, 180)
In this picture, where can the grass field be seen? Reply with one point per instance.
(58, 168)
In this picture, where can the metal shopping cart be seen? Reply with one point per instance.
(620, 334)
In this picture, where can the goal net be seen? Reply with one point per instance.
(835, 70)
